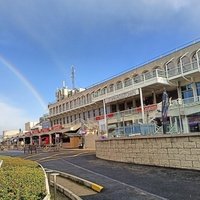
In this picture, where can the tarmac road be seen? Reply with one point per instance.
(124, 181)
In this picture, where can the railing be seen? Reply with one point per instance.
(185, 102)
(189, 67)
(135, 129)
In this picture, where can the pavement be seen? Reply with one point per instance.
(122, 181)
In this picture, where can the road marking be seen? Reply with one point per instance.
(114, 180)
(32, 155)
(48, 158)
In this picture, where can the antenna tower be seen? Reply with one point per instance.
(73, 77)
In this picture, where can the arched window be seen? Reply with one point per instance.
(111, 88)
(88, 96)
(127, 82)
(146, 74)
(138, 78)
(194, 60)
(171, 70)
(186, 64)
(119, 85)
(104, 90)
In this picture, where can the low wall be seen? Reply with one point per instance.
(177, 151)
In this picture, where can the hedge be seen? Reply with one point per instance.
(21, 180)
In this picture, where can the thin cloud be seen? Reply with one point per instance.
(11, 117)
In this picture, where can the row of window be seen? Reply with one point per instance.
(84, 116)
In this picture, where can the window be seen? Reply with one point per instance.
(103, 91)
(127, 82)
(119, 85)
(198, 88)
(187, 91)
(111, 88)
(113, 108)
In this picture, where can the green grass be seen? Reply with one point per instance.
(21, 180)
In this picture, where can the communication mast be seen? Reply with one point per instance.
(73, 77)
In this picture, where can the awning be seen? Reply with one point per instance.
(72, 131)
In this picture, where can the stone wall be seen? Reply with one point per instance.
(179, 151)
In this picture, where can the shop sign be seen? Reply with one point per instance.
(147, 108)
(102, 116)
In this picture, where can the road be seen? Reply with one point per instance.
(122, 181)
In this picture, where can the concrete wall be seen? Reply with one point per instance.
(178, 151)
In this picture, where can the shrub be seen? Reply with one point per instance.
(21, 180)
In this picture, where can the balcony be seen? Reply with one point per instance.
(146, 79)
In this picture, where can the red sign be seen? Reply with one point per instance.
(102, 116)
(147, 108)
(35, 131)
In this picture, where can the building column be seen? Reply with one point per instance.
(185, 124)
(105, 117)
(31, 140)
(39, 140)
(142, 105)
(194, 90)
(50, 139)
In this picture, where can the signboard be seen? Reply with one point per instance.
(122, 96)
(151, 107)
(102, 116)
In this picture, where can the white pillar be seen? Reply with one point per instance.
(185, 124)
(105, 116)
(50, 139)
(194, 90)
(142, 105)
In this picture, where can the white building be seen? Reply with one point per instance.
(30, 125)
(10, 133)
(130, 103)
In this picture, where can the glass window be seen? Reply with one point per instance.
(127, 82)
(198, 88)
(187, 91)
(119, 85)
(111, 88)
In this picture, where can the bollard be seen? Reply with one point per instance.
(54, 182)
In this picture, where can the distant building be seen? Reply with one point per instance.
(30, 125)
(10, 133)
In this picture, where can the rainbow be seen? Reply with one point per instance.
(19, 75)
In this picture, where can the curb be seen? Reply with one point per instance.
(89, 184)
(1, 162)
(66, 192)
(48, 196)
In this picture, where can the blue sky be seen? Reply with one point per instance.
(41, 40)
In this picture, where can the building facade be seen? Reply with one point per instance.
(131, 102)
